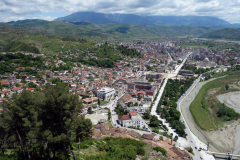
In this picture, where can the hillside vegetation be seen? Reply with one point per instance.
(39, 36)
(111, 31)
(24, 39)
(227, 33)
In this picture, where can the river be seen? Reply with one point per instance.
(223, 139)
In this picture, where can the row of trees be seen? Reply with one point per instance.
(43, 125)
(173, 90)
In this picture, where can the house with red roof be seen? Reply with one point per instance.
(31, 89)
(131, 119)
(17, 90)
(24, 76)
(72, 85)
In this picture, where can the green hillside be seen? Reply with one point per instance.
(22, 39)
(97, 32)
(227, 33)
(9, 35)
(41, 36)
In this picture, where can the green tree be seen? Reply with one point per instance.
(146, 114)
(83, 128)
(32, 85)
(136, 104)
(56, 80)
(130, 104)
(151, 80)
(160, 149)
(161, 138)
(226, 86)
(43, 123)
(139, 97)
(90, 110)
(61, 109)
(99, 102)
(20, 120)
(109, 114)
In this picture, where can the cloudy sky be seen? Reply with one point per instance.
(11, 10)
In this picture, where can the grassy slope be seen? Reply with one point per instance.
(201, 116)
(207, 119)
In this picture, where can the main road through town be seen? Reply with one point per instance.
(191, 139)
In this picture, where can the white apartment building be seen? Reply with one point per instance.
(106, 93)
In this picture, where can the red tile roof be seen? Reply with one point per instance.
(124, 117)
(133, 113)
(16, 88)
(6, 91)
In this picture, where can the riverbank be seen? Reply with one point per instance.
(188, 116)
(221, 140)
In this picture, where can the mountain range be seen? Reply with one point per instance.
(100, 26)
(110, 31)
(102, 18)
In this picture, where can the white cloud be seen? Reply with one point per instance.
(16, 10)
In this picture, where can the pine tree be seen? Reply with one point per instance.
(59, 112)
(43, 123)
(20, 119)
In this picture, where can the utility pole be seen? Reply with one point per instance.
(231, 153)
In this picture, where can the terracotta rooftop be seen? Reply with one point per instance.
(133, 113)
(124, 117)
(87, 100)
(149, 136)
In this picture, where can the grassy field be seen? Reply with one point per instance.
(201, 116)
(205, 106)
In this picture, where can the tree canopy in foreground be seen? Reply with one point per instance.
(43, 125)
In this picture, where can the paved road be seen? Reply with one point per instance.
(191, 140)
(180, 66)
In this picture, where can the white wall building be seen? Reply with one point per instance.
(132, 119)
(106, 93)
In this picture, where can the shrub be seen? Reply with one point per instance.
(160, 149)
